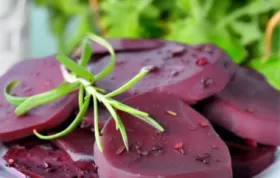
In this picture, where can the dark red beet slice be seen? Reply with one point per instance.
(79, 146)
(36, 76)
(189, 147)
(246, 161)
(248, 107)
(190, 72)
(39, 160)
(252, 163)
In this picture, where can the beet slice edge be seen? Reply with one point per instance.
(185, 149)
(192, 72)
(248, 107)
(35, 76)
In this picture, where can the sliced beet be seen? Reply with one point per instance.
(189, 147)
(251, 163)
(247, 161)
(43, 160)
(79, 146)
(36, 76)
(190, 72)
(248, 107)
(120, 45)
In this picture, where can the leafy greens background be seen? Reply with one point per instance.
(237, 26)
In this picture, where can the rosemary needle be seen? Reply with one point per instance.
(82, 80)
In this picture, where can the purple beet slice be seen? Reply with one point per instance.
(41, 159)
(190, 72)
(79, 146)
(247, 161)
(251, 163)
(248, 107)
(36, 76)
(189, 147)
(120, 45)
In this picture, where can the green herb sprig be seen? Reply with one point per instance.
(83, 80)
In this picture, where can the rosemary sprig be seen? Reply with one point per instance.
(82, 80)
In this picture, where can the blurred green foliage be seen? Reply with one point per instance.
(237, 26)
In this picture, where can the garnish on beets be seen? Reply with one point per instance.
(83, 80)
(36, 76)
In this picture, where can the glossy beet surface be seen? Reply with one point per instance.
(247, 160)
(190, 72)
(79, 146)
(43, 160)
(248, 107)
(189, 147)
(36, 76)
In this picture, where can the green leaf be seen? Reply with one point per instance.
(270, 69)
(96, 128)
(101, 90)
(75, 68)
(81, 96)
(110, 66)
(127, 108)
(70, 128)
(130, 27)
(14, 100)
(84, 26)
(128, 12)
(259, 6)
(127, 85)
(150, 121)
(253, 8)
(151, 12)
(189, 31)
(119, 124)
(207, 6)
(219, 10)
(276, 41)
(44, 98)
(184, 5)
(143, 4)
(131, 14)
(87, 52)
(249, 31)
(230, 45)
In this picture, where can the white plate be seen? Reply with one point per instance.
(273, 171)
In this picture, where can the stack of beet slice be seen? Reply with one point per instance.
(189, 72)
(238, 101)
(247, 160)
(249, 108)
